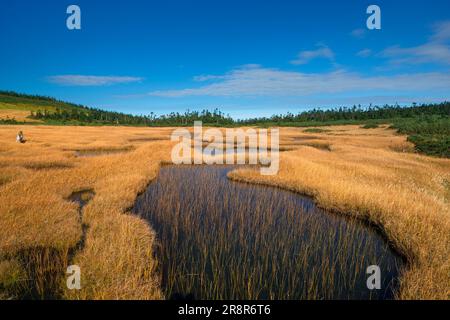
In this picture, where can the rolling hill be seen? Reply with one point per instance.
(18, 107)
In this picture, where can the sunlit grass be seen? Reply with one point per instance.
(369, 173)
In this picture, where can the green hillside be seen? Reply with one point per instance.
(24, 108)
(48, 110)
(15, 107)
(24, 101)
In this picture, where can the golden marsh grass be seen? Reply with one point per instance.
(368, 173)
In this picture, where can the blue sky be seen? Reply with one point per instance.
(248, 58)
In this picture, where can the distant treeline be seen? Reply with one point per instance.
(216, 117)
(107, 117)
(65, 112)
(36, 100)
(358, 113)
(62, 112)
(30, 96)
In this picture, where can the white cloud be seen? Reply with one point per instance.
(441, 32)
(426, 53)
(260, 81)
(435, 50)
(321, 52)
(358, 33)
(207, 77)
(364, 53)
(84, 80)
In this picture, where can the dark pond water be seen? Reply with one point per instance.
(82, 198)
(219, 239)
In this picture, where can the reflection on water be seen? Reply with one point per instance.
(219, 239)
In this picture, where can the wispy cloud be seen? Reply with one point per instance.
(358, 33)
(322, 51)
(207, 77)
(364, 53)
(84, 80)
(256, 80)
(441, 32)
(427, 53)
(435, 50)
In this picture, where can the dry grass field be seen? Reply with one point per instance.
(370, 173)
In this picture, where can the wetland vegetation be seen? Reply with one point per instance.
(219, 239)
(371, 174)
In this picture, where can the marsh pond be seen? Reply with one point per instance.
(220, 239)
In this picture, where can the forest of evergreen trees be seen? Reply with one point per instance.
(97, 116)
(63, 112)
(357, 113)
(216, 117)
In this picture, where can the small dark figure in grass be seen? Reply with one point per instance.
(20, 138)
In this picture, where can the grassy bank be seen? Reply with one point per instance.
(39, 220)
(404, 194)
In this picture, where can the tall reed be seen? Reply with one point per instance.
(226, 240)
